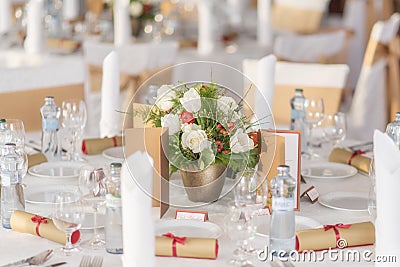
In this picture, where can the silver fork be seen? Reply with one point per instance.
(97, 261)
(85, 261)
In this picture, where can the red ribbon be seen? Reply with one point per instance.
(335, 229)
(38, 220)
(115, 141)
(355, 153)
(176, 239)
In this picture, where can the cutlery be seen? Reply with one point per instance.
(97, 261)
(34, 260)
(85, 261)
(56, 264)
(354, 147)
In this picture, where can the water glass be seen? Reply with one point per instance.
(67, 216)
(240, 229)
(93, 193)
(335, 127)
(73, 120)
(16, 135)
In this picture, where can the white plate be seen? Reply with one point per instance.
(302, 223)
(58, 169)
(87, 223)
(351, 201)
(188, 228)
(328, 170)
(45, 194)
(114, 153)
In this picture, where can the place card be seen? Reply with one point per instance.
(191, 215)
(262, 212)
(310, 191)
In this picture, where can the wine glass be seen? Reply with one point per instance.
(67, 216)
(16, 135)
(314, 113)
(73, 119)
(335, 127)
(372, 191)
(93, 189)
(240, 229)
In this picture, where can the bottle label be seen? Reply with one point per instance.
(6, 179)
(50, 124)
(296, 114)
(282, 203)
(113, 202)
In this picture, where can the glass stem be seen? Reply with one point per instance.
(95, 231)
(309, 150)
(68, 245)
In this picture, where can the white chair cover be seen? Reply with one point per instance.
(309, 48)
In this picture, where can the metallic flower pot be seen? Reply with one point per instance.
(205, 185)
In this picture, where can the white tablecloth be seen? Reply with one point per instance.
(14, 246)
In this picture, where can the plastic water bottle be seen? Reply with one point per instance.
(4, 133)
(282, 227)
(113, 227)
(50, 123)
(393, 130)
(297, 113)
(11, 165)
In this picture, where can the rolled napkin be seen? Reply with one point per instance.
(355, 159)
(336, 236)
(122, 23)
(5, 16)
(110, 102)
(63, 45)
(169, 245)
(36, 159)
(34, 41)
(206, 27)
(138, 233)
(29, 223)
(264, 29)
(98, 145)
(387, 173)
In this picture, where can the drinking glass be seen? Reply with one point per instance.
(16, 135)
(314, 113)
(335, 127)
(372, 191)
(73, 119)
(67, 216)
(93, 189)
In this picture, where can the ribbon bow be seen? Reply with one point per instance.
(335, 229)
(176, 239)
(355, 153)
(38, 220)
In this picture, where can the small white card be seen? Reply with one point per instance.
(191, 215)
(293, 157)
(310, 191)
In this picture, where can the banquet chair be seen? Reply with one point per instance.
(137, 63)
(377, 94)
(317, 80)
(298, 16)
(23, 87)
(328, 47)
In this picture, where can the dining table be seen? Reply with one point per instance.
(15, 246)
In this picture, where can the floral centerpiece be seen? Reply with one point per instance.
(206, 128)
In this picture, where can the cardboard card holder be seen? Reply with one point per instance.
(154, 141)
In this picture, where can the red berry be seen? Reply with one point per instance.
(221, 146)
(219, 149)
(219, 126)
(226, 152)
(187, 117)
(231, 124)
(221, 131)
(218, 142)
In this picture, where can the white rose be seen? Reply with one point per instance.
(136, 9)
(186, 127)
(191, 100)
(241, 142)
(165, 95)
(195, 140)
(173, 123)
(227, 104)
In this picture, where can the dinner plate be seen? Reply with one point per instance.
(302, 223)
(188, 228)
(114, 153)
(328, 170)
(351, 201)
(57, 169)
(45, 194)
